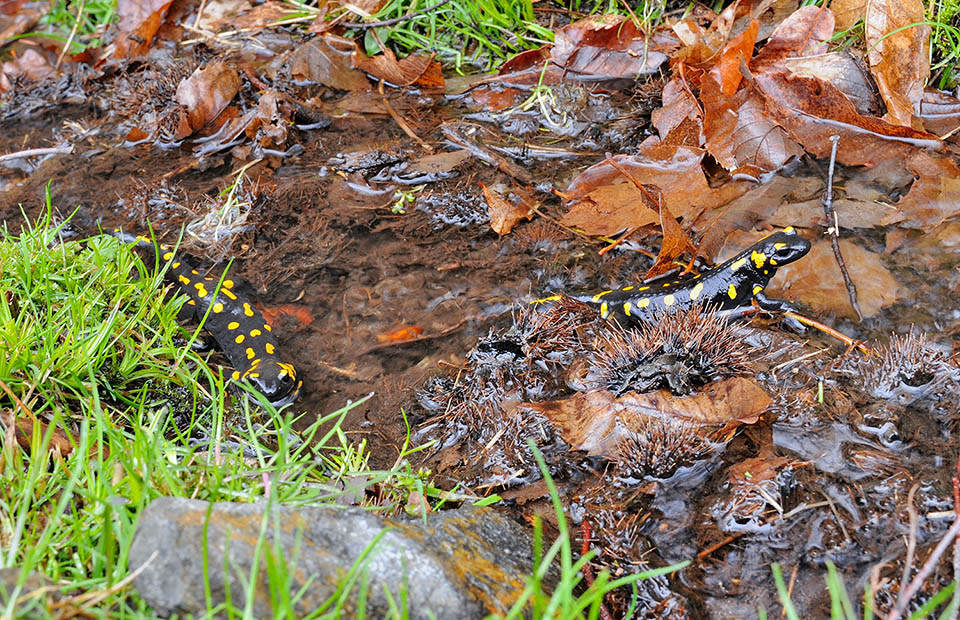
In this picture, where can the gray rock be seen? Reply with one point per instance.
(464, 563)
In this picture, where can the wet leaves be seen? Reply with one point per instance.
(139, 23)
(328, 60)
(598, 422)
(504, 215)
(414, 69)
(934, 196)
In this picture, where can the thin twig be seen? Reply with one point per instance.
(73, 33)
(904, 599)
(52, 150)
(395, 20)
(912, 540)
(835, 226)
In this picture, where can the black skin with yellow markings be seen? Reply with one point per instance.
(729, 288)
(238, 327)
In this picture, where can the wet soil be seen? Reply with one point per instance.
(339, 269)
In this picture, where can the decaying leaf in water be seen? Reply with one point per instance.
(206, 93)
(504, 215)
(138, 22)
(597, 422)
(606, 203)
(934, 196)
(816, 281)
(327, 60)
(898, 49)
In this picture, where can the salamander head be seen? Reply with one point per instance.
(780, 248)
(277, 381)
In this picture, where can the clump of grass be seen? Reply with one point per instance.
(89, 17)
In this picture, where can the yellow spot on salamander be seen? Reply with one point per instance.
(544, 300)
(773, 262)
(269, 348)
(255, 332)
(695, 291)
(596, 298)
(218, 307)
(757, 288)
(286, 368)
(247, 309)
(668, 300)
(738, 264)
(732, 291)
(190, 302)
(239, 339)
(168, 256)
(604, 310)
(195, 272)
(626, 307)
(208, 279)
(643, 288)
(184, 280)
(628, 288)
(176, 265)
(759, 259)
(250, 353)
(666, 284)
(228, 294)
(233, 325)
(788, 229)
(267, 327)
(236, 375)
(779, 245)
(201, 289)
(228, 283)
(643, 303)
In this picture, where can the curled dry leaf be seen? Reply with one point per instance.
(934, 196)
(898, 49)
(138, 22)
(206, 93)
(327, 60)
(504, 215)
(817, 282)
(597, 422)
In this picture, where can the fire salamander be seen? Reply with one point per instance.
(237, 326)
(729, 288)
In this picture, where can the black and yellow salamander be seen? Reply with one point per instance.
(238, 327)
(728, 288)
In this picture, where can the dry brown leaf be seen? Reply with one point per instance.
(207, 92)
(678, 105)
(597, 422)
(17, 17)
(504, 215)
(675, 244)
(606, 203)
(138, 22)
(413, 69)
(327, 60)
(847, 12)
(898, 50)
(31, 65)
(934, 196)
(940, 112)
(817, 282)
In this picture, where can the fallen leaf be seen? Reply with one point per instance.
(504, 215)
(272, 314)
(597, 422)
(137, 23)
(207, 92)
(813, 110)
(678, 105)
(18, 17)
(401, 334)
(898, 50)
(675, 244)
(845, 71)
(847, 12)
(414, 69)
(602, 202)
(327, 60)
(940, 112)
(31, 65)
(934, 196)
(817, 282)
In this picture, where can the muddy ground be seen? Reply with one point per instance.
(335, 265)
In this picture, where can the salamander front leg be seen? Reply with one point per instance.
(779, 306)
